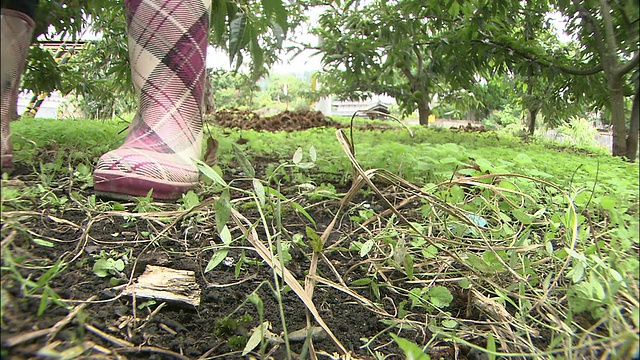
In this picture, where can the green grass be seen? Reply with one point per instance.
(75, 139)
(432, 155)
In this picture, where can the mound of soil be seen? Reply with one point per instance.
(285, 121)
(472, 128)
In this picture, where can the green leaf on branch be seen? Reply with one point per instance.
(237, 28)
(218, 20)
(275, 9)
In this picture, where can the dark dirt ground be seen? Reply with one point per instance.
(178, 331)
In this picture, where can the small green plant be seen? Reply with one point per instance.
(50, 172)
(110, 263)
(14, 198)
(146, 304)
(323, 191)
(83, 174)
(189, 200)
(371, 283)
(229, 328)
(410, 349)
(363, 215)
(430, 297)
(50, 199)
(145, 204)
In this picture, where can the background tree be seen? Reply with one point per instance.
(607, 54)
(609, 32)
(232, 89)
(367, 50)
(545, 90)
(273, 89)
(478, 102)
(412, 50)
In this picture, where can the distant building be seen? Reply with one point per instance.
(378, 111)
(380, 103)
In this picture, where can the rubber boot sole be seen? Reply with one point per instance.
(116, 185)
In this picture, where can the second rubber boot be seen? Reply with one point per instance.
(16, 30)
(167, 51)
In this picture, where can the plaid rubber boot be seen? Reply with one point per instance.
(167, 50)
(16, 29)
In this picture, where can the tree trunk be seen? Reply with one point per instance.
(532, 121)
(634, 127)
(423, 113)
(617, 116)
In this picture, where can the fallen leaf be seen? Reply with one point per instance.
(211, 156)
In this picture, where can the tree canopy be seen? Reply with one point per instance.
(415, 49)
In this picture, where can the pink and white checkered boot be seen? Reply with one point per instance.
(167, 50)
(16, 30)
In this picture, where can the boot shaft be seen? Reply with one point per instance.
(167, 52)
(172, 33)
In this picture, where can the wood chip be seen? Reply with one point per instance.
(162, 283)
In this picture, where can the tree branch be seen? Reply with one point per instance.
(609, 36)
(408, 74)
(420, 65)
(625, 68)
(597, 35)
(544, 62)
(625, 18)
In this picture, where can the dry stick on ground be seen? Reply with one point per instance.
(109, 338)
(289, 279)
(67, 319)
(21, 338)
(7, 240)
(150, 349)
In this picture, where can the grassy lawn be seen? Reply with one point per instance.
(448, 241)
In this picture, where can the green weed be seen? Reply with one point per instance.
(110, 263)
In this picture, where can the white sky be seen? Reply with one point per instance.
(217, 58)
